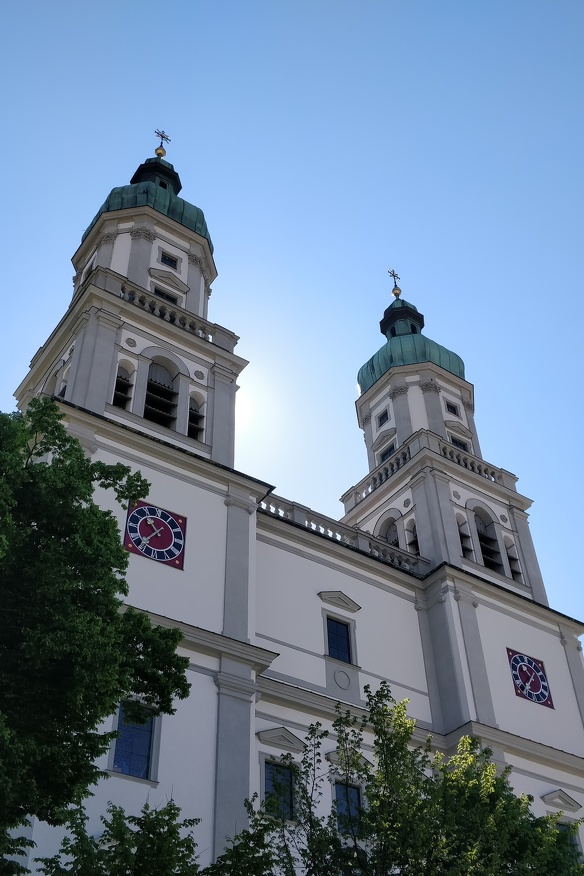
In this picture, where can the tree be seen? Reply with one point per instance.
(154, 843)
(69, 652)
(423, 815)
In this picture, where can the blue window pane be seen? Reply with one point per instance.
(348, 800)
(279, 790)
(339, 640)
(133, 747)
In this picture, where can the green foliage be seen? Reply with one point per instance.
(68, 652)
(154, 843)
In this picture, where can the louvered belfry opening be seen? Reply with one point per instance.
(195, 429)
(489, 545)
(161, 397)
(122, 388)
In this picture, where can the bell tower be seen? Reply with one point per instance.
(429, 490)
(135, 344)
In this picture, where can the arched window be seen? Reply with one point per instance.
(488, 542)
(195, 429)
(161, 397)
(465, 538)
(513, 557)
(122, 389)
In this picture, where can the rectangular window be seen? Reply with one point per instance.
(462, 445)
(339, 639)
(382, 418)
(452, 409)
(166, 259)
(133, 751)
(348, 803)
(166, 296)
(387, 453)
(279, 790)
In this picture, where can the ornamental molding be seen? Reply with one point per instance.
(107, 237)
(195, 260)
(77, 277)
(281, 737)
(366, 419)
(468, 405)
(245, 505)
(168, 279)
(560, 800)
(397, 391)
(430, 386)
(208, 289)
(339, 600)
(142, 231)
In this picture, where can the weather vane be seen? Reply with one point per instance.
(164, 138)
(396, 291)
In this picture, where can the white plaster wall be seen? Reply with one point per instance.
(290, 620)
(560, 727)
(194, 594)
(121, 253)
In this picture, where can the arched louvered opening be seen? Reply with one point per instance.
(465, 537)
(412, 538)
(196, 420)
(122, 388)
(161, 397)
(513, 557)
(389, 532)
(488, 542)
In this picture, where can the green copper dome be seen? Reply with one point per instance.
(402, 324)
(155, 184)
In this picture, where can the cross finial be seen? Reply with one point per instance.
(164, 138)
(396, 291)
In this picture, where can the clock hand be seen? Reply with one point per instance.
(146, 539)
(528, 686)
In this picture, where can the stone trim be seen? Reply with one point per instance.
(339, 600)
(397, 391)
(281, 738)
(430, 386)
(143, 231)
(107, 237)
(196, 260)
(560, 800)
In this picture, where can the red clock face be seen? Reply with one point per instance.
(156, 534)
(529, 678)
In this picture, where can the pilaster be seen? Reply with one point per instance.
(235, 695)
(223, 415)
(528, 557)
(401, 412)
(573, 649)
(236, 609)
(89, 377)
(434, 412)
(143, 236)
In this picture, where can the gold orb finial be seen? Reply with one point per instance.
(160, 151)
(396, 291)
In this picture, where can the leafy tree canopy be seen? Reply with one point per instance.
(68, 652)
(422, 815)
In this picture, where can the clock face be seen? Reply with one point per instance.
(156, 534)
(529, 678)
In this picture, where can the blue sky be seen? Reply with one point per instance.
(327, 141)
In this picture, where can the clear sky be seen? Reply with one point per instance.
(327, 141)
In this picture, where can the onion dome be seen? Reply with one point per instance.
(402, 324)
(155, 184)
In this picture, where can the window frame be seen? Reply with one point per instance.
(268, 761)
(460, 444)
(339, 783)
(154, 753)
(387, 452)
(349, 623)
(162, 251)
(455, 408)
(382, 418)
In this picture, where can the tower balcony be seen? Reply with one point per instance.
(424, 441)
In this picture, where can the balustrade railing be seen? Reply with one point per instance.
(168, 312)
(350, 536)
(420, 441)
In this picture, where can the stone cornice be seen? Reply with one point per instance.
(259, 659)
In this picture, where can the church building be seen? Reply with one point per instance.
(430, 580)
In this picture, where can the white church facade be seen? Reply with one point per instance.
(430, 580)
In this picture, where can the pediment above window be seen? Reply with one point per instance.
(281, 738)
(335, 758)
(455, 426)
(339, 600)
(384, 436)
(169, 280)
(560, 800)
